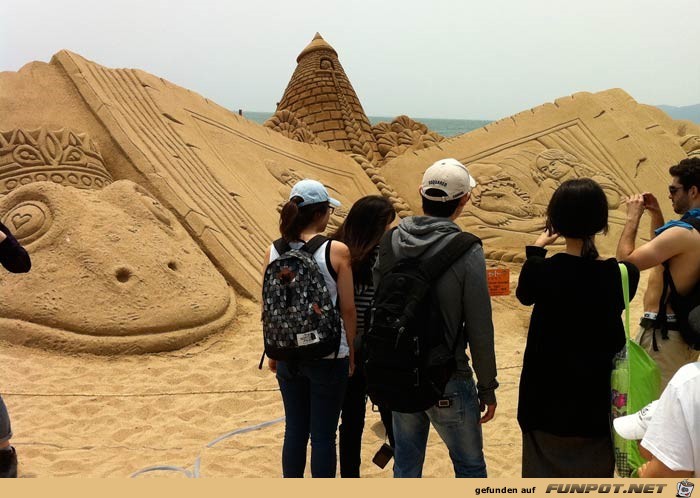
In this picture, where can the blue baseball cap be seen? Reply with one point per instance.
(312, 192)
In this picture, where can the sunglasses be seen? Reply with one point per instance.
(672, 189)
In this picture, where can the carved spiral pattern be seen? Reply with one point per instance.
(403, 134)
(286, 123)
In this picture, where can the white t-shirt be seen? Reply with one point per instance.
(320, 257)
(673, 435)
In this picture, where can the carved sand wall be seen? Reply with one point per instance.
(519, 161)
(208, 166)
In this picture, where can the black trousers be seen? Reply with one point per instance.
(352, 424)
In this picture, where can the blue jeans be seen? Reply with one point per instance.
(457, 425)
(312, 393)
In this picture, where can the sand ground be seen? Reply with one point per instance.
(110, 416)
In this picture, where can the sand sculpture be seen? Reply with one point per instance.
(181, 197)
(519, 161)
(320, 106)
(218, 180)
(140, 201)
(211, 168)
(403, 135)
(320, 95)
(113, 270)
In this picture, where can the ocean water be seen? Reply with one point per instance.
(445, 127)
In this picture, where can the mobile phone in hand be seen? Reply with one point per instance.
(383, 456)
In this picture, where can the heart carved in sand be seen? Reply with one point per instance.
(20, 219)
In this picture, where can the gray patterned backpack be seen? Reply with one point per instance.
(300, 321)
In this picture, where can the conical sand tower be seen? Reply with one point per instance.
(322, 98)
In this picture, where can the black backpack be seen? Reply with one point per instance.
(686, 308)
(406, 358)
(300, 321)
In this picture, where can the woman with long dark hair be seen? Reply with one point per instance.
(312, 389)
(575, 331)
(368, 220)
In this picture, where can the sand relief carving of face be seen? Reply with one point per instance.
(289, 177)
(326, 64)
(552, 167)
(513, 191)
(112, 270)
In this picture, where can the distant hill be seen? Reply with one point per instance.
(689, 112)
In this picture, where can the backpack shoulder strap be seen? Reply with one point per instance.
(694, 222)
(438, 264)
(281, 246)
(314, 244)
(661, 321)
(668, 279)
(329, 265)
(386, 256)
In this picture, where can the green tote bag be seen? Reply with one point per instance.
(635, 382)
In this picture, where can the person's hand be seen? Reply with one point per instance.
(641, 471)
(2, 236)
(351, 368)
(272, 365)
(651, 203)
(490, 411)
(546, 238)
(635, 207)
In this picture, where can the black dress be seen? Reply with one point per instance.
(575, 331)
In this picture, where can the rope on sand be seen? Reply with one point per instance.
(243, 430)
(137, 395)
(187, 473)
(195, 472)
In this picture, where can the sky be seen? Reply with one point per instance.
(467, 59)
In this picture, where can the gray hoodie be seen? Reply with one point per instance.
(463, 294)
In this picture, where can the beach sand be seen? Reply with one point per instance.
(78, 415)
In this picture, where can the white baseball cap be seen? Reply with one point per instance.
(312, 192)
(635, 426)
(449, 176)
